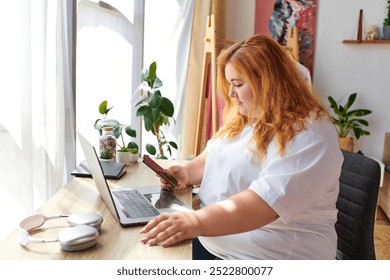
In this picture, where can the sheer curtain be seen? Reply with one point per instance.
(37, 117)
(37, 105)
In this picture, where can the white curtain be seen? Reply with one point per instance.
(37, 118)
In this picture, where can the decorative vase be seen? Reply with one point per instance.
(123, 157)
(386, 32)
(347, 143)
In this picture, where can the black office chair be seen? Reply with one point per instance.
(357, 201)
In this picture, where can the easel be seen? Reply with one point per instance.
(209, 56)
(292, 42)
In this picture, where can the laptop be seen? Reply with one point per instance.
(130, 206)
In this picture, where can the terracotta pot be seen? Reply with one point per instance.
(347, 143)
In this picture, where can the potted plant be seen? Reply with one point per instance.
(126, 152)
(348, 122)
(155, 110)
(386, 23)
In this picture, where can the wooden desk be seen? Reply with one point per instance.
(114, 242)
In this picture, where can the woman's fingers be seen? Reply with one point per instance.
(169, 229)
(154, 222)
(157, 230)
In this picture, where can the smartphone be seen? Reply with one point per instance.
(159, 170)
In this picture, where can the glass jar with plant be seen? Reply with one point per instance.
(107, 144)
(156, 111)
(386, 23)
(348, 122)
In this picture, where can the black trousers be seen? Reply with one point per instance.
(199, 252)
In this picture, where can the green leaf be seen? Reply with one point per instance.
(333, 104)
(358, 113)
(162, 157)
(165, 120)
(154, 98)
(148, 118)
(357, 131)
(167, 107)
(152, 71)
(342, 111)
(132, 146)
(362, 122)
(173, 144)
(350, 101)
(169, 150)
(123, 149)
(151, 149)
(155, 114)
(157, 83)
(131, 132)
(103, 107)
(117, 131)
(141, 110)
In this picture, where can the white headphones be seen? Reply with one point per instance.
(82, 233)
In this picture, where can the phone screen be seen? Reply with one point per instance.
(159, 170)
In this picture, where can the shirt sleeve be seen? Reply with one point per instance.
(293, 183)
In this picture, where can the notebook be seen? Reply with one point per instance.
(134, 206)
(111, 170)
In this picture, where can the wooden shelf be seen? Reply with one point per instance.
(366, 41)
(359, 37)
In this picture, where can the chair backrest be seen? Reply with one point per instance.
(357, 200)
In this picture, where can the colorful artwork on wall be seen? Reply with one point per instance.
(273, 17)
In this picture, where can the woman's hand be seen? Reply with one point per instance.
(180, 174)
(172, 228)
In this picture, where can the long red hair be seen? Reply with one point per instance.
(281, 94)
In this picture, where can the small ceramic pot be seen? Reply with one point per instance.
(386, 32)
(134, 157)
(123, 157)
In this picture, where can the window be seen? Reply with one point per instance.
(109, 56)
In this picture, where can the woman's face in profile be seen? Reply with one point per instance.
(239, 90)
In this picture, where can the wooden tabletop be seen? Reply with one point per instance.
(114, 242)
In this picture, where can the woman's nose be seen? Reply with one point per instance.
(232, 92)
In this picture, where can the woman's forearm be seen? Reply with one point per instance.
(242, 212)
(195, 169)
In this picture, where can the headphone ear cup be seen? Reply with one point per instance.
(78, 238)
(86, 218)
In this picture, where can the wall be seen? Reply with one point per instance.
(340, 69)
(240, 19)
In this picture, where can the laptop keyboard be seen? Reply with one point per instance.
(135, 205)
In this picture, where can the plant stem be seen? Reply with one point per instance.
(156, 129)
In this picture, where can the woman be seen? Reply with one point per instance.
(270, 176)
